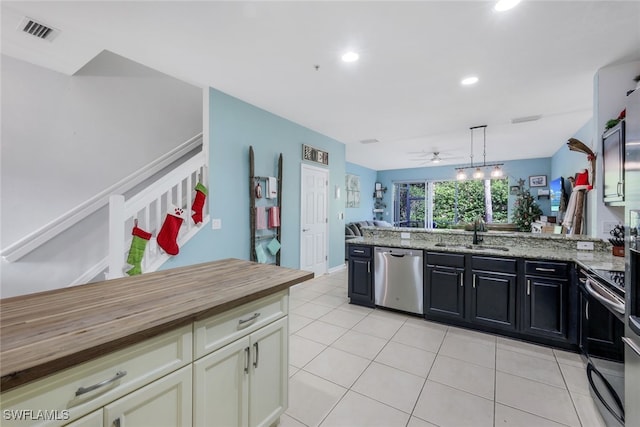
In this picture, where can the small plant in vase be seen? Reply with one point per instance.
(525, 211)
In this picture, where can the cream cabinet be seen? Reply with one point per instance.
(230, 369)
(94, 419)
(163, 403)
(75, 392)
(244, 383)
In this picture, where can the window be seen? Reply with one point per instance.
(445, 204)
(409, 205)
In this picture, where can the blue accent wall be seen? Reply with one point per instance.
(567, 163)
(234, 126)
(367, 186)
(515, 169)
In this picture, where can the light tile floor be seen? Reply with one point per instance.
(354, 366)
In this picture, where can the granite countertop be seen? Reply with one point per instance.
(519, 245)
(46, 332)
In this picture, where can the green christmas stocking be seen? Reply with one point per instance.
(136, 252)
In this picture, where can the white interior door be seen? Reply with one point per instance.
(314, 219)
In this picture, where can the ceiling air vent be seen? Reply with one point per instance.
(37, 29)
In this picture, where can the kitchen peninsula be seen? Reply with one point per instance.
(520, 285)
(105, 351)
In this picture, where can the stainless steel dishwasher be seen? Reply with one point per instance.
(398, 278)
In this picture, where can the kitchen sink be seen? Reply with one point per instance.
(475, 247)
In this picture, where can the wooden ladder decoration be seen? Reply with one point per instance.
(252, 206)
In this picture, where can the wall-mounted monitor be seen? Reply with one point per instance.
(556, 190)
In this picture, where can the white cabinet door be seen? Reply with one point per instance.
(165, 402)
(221, 391)
(269, 375)
(94, 419)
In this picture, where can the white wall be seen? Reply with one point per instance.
(611, 84)
(65, 139)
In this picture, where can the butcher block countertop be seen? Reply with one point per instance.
(45, 332)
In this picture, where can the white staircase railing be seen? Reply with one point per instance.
(149, 208)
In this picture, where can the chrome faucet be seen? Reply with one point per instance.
(478, 225)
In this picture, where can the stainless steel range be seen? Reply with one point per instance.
(601, 332)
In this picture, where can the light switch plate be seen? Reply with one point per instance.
(585, 246)
(405, 235)
(216, 223)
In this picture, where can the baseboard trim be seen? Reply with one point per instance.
(337, 268)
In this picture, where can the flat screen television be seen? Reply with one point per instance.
(556, 192)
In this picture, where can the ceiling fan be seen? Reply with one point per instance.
(430, 157)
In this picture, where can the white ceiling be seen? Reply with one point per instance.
(537, 59)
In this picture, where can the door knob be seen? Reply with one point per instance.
(305, 229)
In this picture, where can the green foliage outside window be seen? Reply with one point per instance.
(454, 202)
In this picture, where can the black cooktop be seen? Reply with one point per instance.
(613, 278)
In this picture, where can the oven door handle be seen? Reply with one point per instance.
(616, 399)
(611, 301)
(632, 345)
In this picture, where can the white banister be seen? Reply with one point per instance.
(20, 248)
(148, 208)
(116, 236)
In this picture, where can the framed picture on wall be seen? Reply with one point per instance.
(538, 181)
(514, 189)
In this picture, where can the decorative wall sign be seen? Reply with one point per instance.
(314, 155)
(352, 186)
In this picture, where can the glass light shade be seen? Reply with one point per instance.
(478, 174)
(496, 172)
(461, 176)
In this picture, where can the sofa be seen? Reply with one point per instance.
(354, 229)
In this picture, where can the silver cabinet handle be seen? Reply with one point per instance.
(528, 287)
(474, 281)
(631, 345)
(257, 355)
(545, 269)
(586, 310)
(368, 266)
(358, 251)
(618, 187)
(243, 323)
(116, 377)
(247, 355)
(461, 279)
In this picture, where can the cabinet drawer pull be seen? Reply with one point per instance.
(461, 279)
(116, 377)
(247, 356)
(257, 355)
(474, 281)
(358, 251)
(545, 269)
(528, 287)
(243, 323)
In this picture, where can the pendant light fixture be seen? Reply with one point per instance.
(479, 170)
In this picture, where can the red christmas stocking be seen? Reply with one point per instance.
(168, 237)
(198, 203)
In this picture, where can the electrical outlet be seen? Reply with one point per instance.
(585, 246)
(216, 223)
(405, 235)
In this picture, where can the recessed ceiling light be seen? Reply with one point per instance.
(350, 57)
(469, 81)
(503, 5)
